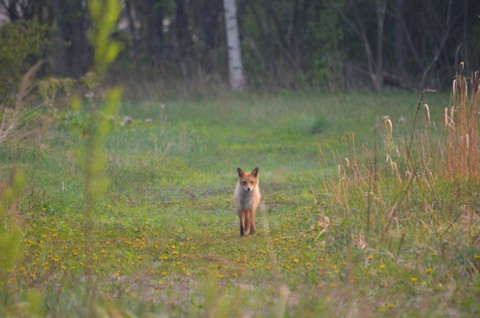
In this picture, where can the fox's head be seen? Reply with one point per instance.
(248, 181)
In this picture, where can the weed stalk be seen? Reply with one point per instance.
(417, 109)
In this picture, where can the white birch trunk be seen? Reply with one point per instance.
(235, 68)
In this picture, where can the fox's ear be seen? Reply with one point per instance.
(255, 172)
(240, 172)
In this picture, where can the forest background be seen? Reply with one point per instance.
(179, 46)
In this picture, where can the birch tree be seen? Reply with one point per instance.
(235, 68)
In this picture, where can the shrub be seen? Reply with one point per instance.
(23, 44)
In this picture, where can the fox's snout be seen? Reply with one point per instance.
(248, 186)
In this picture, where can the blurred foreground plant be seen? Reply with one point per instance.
(11, 237)
(97, 111)
(104, 14)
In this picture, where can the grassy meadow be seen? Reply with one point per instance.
(358, 217)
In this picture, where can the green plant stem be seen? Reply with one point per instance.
(424, 92)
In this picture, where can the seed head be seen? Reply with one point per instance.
(388, 124)
(427, 111)
(429, 91)
(445, 117)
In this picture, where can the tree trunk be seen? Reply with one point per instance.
(211, 13)
(184, 39)
(295, 36)
(374, 56)
(399, 45)
(154, 25)
(378, 76)
(235, 68)
(441, 45)
(71, 54)
(60, 51)
(211, 24)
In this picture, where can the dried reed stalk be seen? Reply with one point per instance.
(14, 118)
(461, 128)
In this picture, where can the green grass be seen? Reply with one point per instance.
(165, 238)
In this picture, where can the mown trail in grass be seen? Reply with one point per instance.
(166, 240)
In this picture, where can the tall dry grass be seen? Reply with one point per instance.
(16, 118)
(461, 122)
(418, 182)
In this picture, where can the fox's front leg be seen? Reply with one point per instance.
(248, 222)
(252, 221)
(241, 216)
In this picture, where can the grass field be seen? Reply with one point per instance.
(164, 239)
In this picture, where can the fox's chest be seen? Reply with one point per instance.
(247, 200)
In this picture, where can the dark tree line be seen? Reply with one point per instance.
(285, 43)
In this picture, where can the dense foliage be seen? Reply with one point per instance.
(23, 44)
(285, 43)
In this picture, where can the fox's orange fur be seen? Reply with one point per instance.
(247, 198)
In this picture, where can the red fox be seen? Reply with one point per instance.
(247, 198)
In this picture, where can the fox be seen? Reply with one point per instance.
(247, 198)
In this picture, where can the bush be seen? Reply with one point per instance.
(23, 44)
